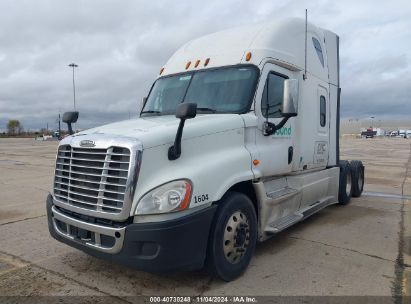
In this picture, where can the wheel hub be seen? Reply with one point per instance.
(241, 235)
(236, 237)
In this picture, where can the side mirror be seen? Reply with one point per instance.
(289, 107)
(290, 98)
(69, 118)
(184, 111)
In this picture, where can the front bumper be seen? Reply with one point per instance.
(178, 244)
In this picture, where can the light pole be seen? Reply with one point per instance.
(73, 65)
(59, 127)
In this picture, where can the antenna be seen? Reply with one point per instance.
(305, 50)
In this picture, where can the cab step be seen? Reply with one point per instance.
(317, 206)
(286, 191)
(284, 223)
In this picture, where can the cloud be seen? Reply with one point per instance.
(120, 47)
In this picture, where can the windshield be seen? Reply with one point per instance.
(224, 90)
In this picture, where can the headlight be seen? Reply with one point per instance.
(173, 196)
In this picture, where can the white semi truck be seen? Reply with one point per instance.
(237, 140)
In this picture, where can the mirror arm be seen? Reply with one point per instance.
(270, 128)
(70, 129)
(174, 151)
(282, 123)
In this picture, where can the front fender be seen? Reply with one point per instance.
(213, 163)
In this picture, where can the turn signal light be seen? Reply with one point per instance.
(186, 198)
(256, 162)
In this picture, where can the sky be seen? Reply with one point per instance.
(119, 47)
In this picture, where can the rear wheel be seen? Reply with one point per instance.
(345, 186)
(233, 237)
(357, 172)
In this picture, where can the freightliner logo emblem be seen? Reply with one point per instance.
(87, 143)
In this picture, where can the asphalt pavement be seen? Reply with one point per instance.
(355, 250)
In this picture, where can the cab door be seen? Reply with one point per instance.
(276, 151)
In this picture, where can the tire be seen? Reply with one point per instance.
(345, 187)
(357, 172)
(233, 237)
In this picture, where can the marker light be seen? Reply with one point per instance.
(171, 197)
(256, 162)
(188, 64)
(206, 61)
(248, 56)
(161, 70)
(197, 63)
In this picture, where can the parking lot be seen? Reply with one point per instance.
(359, 249)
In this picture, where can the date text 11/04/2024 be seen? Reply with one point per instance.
(203, 299)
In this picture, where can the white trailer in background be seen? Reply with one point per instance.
(237, 140)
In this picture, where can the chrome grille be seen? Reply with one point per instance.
(94, 179)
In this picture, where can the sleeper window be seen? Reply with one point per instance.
(319, 51)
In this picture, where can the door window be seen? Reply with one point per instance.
(323, 111)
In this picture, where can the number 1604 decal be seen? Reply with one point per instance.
(200, 198)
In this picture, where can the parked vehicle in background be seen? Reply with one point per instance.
(45, 137)
(369, 133)
(402, 133)
(380, 132)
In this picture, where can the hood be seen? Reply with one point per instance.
(160, 130)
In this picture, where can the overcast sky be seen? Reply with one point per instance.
(121, 45)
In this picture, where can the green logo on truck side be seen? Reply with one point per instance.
(283, 132)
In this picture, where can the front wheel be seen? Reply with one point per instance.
(233, 237)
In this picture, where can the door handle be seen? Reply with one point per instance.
(290, 154)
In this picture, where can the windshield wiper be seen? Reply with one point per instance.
(150, 112)
(206, 110)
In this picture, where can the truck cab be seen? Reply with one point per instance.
(237, 140)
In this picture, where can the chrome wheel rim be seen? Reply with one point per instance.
(236, 237)
(348, 186)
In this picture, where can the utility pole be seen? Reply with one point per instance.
(73, 65)
(59, 127)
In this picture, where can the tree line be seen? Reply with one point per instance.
(14, 127)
